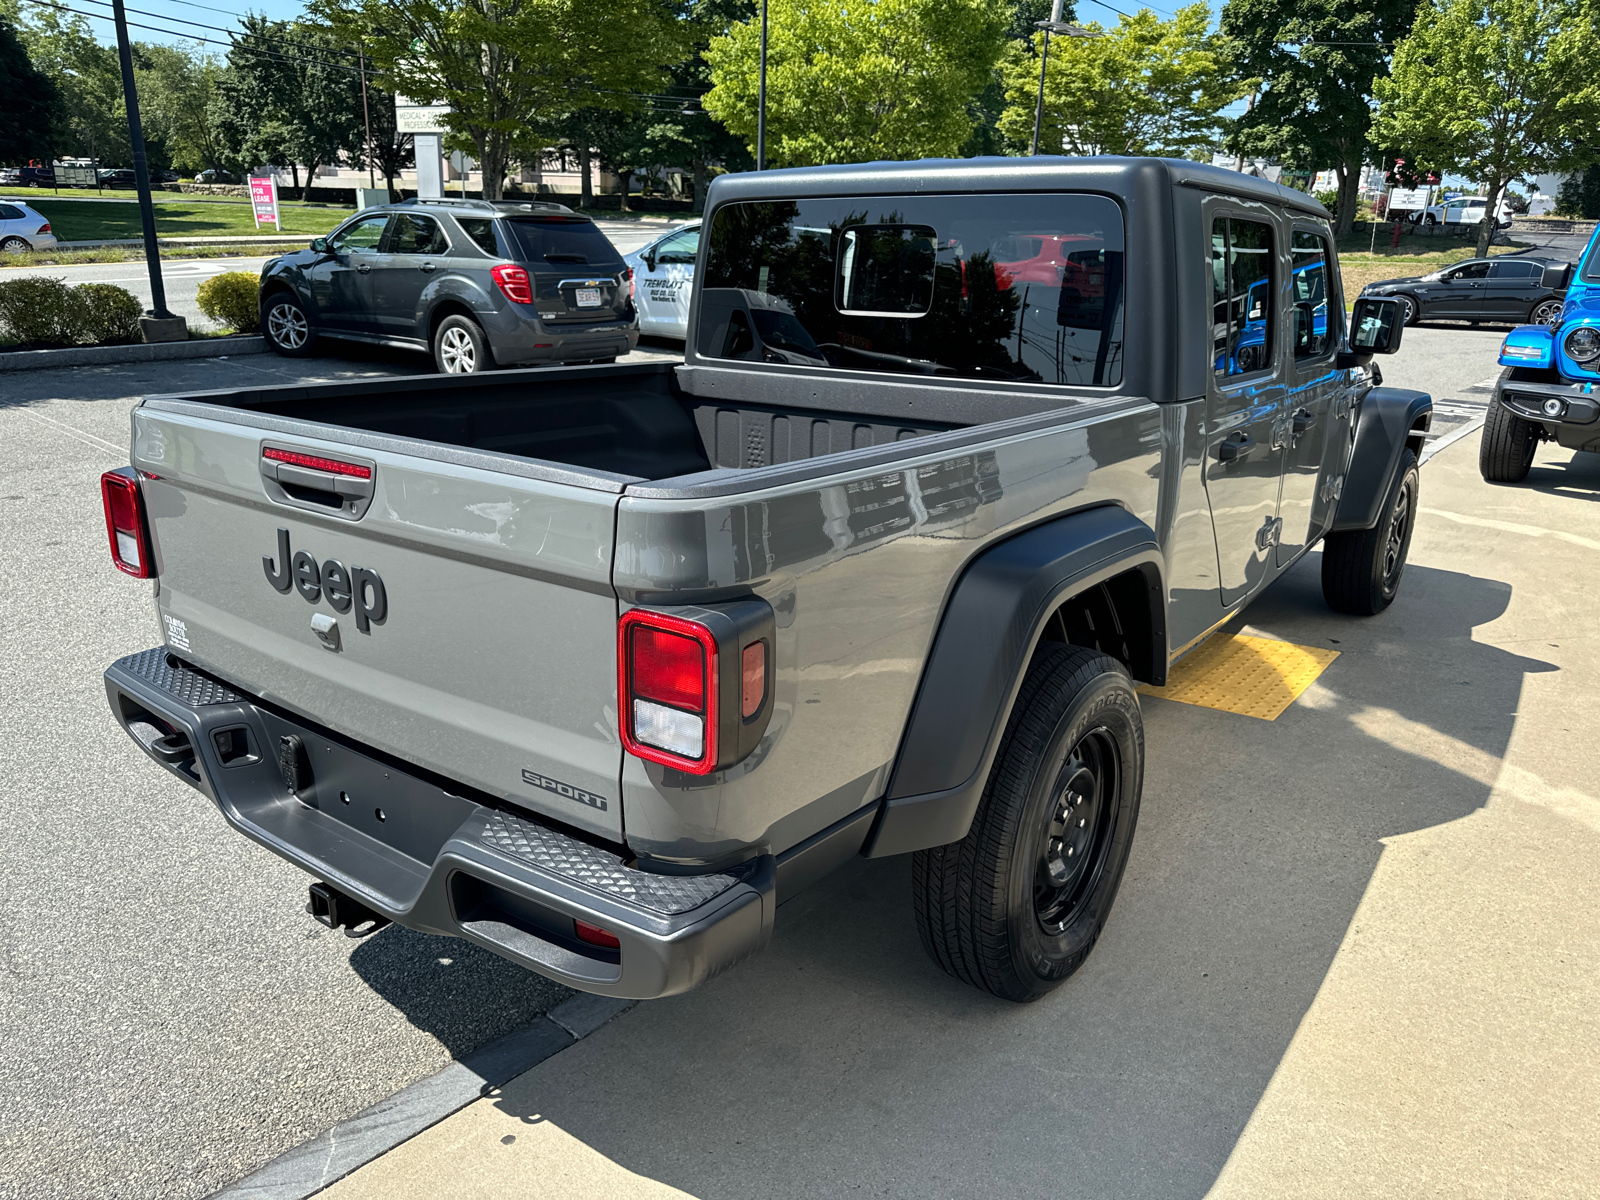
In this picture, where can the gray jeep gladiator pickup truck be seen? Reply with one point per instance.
(595, 666)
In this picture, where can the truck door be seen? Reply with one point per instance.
(1320, 394)
(1245, 418)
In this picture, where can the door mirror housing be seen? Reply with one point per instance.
(1557, 277)
(1377, 324)
(650, 260)
(320, 245)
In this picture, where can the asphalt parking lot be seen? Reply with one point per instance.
(1355, 952)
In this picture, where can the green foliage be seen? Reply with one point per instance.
(1494, 89)
(508, 66)
(46, 314)
(1580, 194)
(886, 80)
(1312, 64)
(107, 315)
(1329, 200)
(31, 112)
(232, 298)
(86, 74)
(178, 105)
(1147, 87)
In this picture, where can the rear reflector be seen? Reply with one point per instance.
(666, 673)
(514, 283)
(125, 523)
(316, 462)
(596, 936)
(752, 679)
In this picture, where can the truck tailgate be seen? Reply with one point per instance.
(487, 657)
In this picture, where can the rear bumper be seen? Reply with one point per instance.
(515, 337)
(431, 858)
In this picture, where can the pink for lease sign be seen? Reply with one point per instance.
(264, 200)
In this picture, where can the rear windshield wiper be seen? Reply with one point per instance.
(566, 258)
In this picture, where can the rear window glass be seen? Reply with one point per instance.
(1023, 288)
(562, 243)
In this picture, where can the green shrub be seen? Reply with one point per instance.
(232, 299)
(38, 312)
(108, 315)
(1329, 200)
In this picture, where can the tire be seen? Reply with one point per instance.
(1016, 906)
(14, 245)
(1413, 308)
(460, 347)
(1430, 219)
(286, 325)
(1361, 568)
(1546, 312)
(1505, 453)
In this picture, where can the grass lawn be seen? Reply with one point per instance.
(1416, 255)
(159, 195)
(66, 258)
(75, 222)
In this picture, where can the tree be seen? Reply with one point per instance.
(846, 83)
(1313, 63)
(1146, 87)
(1580, 193)
(1494, 89)
(988, 105)
(392, 151)
(31, 113)
(88, 79)
(177, 104)
(505, 65)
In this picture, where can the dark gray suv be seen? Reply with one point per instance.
(477, 283)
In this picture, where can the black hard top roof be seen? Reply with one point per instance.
(1042, 173)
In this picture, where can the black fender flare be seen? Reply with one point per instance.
(1389, 418)
(992, 621)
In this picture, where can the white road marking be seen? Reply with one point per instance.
(87, 438)
(1514, 527)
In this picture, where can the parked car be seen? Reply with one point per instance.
(1480, 289)
(118, 177)
(475, 282)
(595, 667)
(23, 228)
(28, 176)
(1463, 210)
(663, 281)
(1549, 389)
(211, 175)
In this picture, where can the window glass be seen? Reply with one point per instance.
(1025, 288)
(416, 235)
(1316, 323)
(680, 247)
(360, 237)
(481, 231)
(1472, 270)
(1515, 270)
(1242, 296)
(557, 243)
(10, 213)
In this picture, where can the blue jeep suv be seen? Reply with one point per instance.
(476, 283)
(1548, 389)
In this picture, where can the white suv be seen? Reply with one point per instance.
(22, 228)
(1463, 210)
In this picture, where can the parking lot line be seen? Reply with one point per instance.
(1250, 676)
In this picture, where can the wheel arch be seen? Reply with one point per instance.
(1057, 581)
(450, 306)
(1391, 420)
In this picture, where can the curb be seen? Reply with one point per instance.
(97, 356)
(373, 1132)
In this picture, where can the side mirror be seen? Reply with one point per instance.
(1377, 325)
(1557, 277)
(320, 245)
(650, 260)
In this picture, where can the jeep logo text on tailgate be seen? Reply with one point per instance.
(343, 588)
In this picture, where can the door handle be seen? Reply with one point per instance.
(427, 267)
(1235, 447)
(1303, 420)
(363, 268)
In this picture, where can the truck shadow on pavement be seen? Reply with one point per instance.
(1575, 478)
(841, 1060)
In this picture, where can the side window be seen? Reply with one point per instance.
(1472, 270)
(1316, 316)
(359, 237)
(416, 235)
(1515, 270)
(886, 270)
(1242, 296)
(481, 231)
(10, 213)
(679, 247)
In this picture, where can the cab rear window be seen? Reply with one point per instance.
(558, 242)
(1027, 288)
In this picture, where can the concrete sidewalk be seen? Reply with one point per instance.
(1354, 955)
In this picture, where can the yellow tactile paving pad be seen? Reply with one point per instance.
(1251, 676)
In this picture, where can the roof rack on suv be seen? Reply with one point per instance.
(530, 206)
(482, 205)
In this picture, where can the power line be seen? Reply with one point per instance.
(239, 33)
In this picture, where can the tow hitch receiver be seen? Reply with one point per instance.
(336, 910)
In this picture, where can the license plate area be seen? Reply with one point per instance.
(588, 297)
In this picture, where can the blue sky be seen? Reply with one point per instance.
(180, 22)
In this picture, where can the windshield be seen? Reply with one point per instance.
(1591, 262)
(561, 243)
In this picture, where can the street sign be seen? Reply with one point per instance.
(76, 177)
(1408, 199)
(428, 118)
(264, 200)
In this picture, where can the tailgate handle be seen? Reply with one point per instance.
(318, 480)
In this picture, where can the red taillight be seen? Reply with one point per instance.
(316, 462)
(596, 936)
(514, 282)
(45, 228)
(666, 684)
(125, 523)
(627, 276)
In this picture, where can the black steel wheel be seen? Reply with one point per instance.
(1016, 906)
(1362, 568)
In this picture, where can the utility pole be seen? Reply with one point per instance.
(761, 96)
(1054, 25)
(366, 117)
(141, 177)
